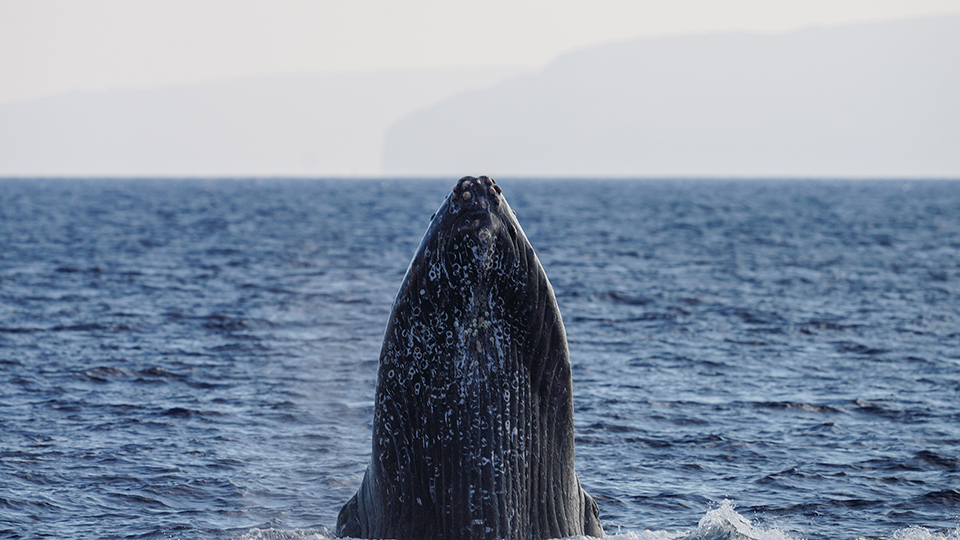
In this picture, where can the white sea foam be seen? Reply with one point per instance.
(721, 523)
(921, 533)
(286, 534)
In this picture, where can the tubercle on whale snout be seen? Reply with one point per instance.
(475, 193)
(474, 223)
(481, 183)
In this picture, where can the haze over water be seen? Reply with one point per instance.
(867, 99)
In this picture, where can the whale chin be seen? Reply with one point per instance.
(473, 418)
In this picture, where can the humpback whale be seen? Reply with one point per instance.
(473, 416)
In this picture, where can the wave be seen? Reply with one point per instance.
(721, 523)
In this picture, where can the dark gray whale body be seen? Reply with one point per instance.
(473, 421)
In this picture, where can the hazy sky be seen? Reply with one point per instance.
(49, 47)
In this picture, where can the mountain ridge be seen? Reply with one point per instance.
(874, 99)
(284, 125)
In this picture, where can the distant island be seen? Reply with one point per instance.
(861, 100)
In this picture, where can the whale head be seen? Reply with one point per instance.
(473, 419)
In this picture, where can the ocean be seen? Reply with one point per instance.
(752, 359)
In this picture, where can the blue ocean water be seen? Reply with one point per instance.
(752, 359)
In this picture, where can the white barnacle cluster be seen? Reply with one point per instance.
(477, 324)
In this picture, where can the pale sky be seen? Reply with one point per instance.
(50, 47)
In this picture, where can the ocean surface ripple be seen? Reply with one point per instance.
(752, 359)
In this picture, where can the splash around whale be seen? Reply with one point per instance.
(473, 420)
